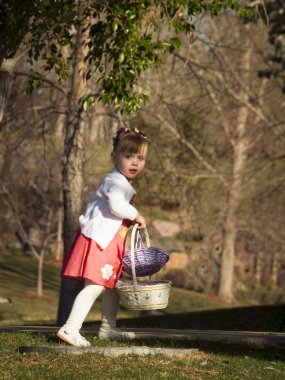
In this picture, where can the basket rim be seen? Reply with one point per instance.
(147, 282)
(148, 249)
(141, 287)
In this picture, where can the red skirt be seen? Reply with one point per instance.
(86, 260)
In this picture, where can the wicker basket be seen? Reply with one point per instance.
(148, 260)
(143, 295)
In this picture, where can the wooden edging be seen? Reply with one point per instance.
(248, 337)
(109, 351)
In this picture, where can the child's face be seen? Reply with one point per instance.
(130, 165)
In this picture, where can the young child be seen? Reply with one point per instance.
(97, 250)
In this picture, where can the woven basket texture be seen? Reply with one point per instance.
(146, 295)
(148, 261)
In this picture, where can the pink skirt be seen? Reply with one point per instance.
(86, 260)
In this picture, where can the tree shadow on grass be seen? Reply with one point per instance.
(255, 318)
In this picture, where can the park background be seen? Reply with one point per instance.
(213, 186)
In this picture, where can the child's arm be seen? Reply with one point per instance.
(140, 220)
(118, 204)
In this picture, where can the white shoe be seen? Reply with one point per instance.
(115, 334)
(74, 339)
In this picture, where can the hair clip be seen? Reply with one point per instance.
(128, 130)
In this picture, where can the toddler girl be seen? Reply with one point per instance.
(97, 250)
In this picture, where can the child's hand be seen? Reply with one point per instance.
(140, 220)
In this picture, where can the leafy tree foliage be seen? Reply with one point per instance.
(121, 38)
(14, 25)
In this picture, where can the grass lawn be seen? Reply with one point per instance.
(211, 361)
(186, 310)
(18, 282)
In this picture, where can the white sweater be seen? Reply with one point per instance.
(107, 207)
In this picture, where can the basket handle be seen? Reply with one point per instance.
(133, 238)
(138, 241)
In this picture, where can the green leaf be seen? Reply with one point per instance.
(90, 101)
(121, 57)
(175, 42)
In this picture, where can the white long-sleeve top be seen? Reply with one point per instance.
(107, 207)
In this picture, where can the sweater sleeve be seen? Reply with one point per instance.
(117, 202)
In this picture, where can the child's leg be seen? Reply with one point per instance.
(81, 307)
(110, 304)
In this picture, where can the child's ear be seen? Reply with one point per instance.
(113, 157)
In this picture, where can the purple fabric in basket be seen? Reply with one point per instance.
(148, 261)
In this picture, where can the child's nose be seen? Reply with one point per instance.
(134, 161)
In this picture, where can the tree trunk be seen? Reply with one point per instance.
(235, 193)
(58, 251)
(274, 268)
(40, 272)
(5, 85)
(72, 196)
(6, 70)
(258, 267)
(72, 175)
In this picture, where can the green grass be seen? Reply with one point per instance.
(186, 310)
(211, 361)
(18, 282)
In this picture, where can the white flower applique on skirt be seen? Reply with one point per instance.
(107, 271)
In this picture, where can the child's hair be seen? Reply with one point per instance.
(128, 140)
